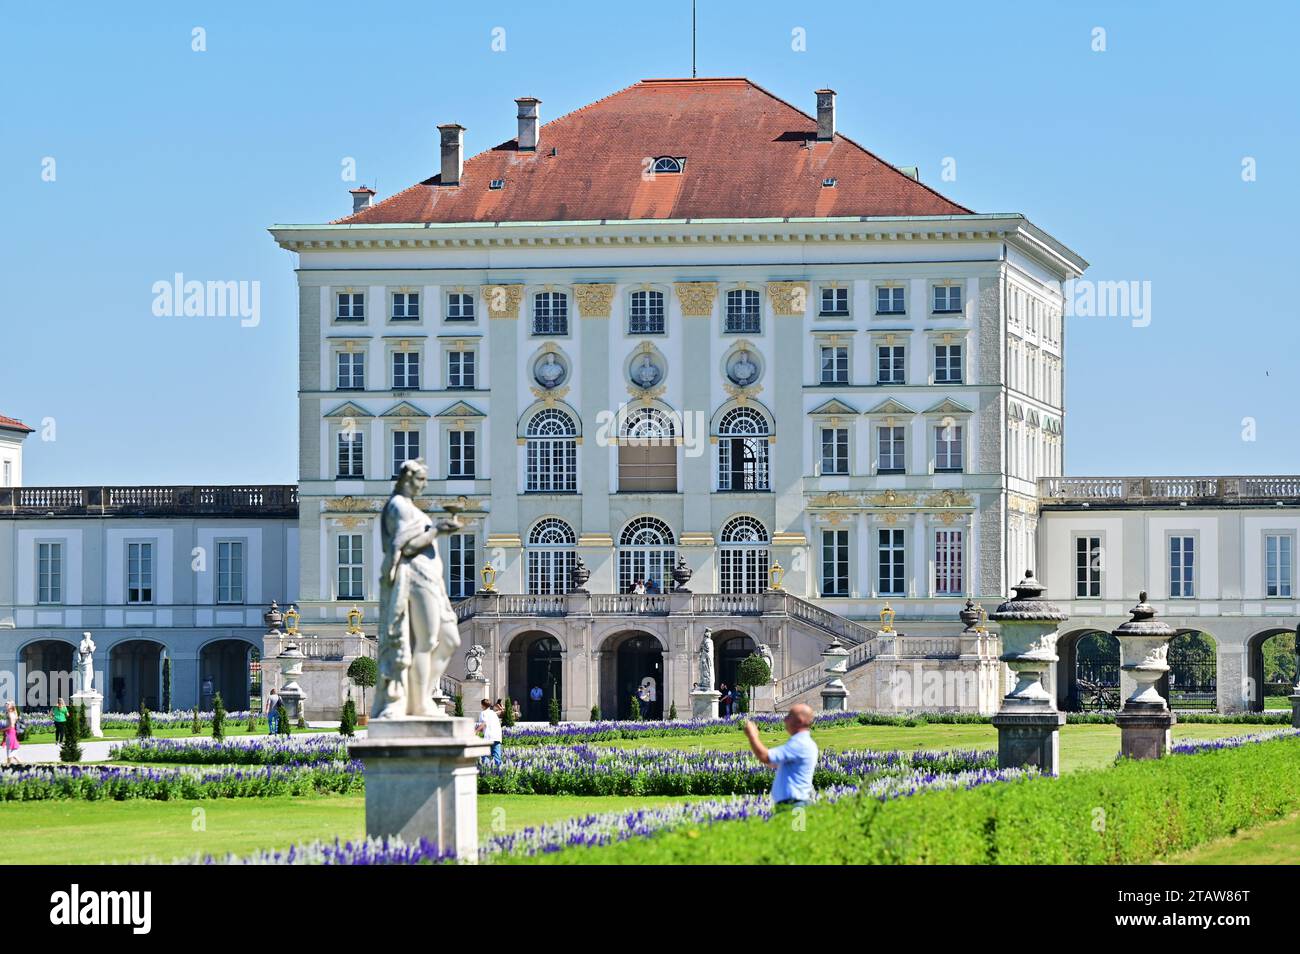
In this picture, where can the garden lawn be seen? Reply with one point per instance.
(1082, 746)
(110, 735)
(79, 832)
(1276, 843)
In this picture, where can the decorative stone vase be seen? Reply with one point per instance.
(1030, 628)
(274, 619)
(681, 575)
(1144, 649)
(291, 660)
(580, 576)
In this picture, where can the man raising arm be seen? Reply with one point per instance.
(794, 761)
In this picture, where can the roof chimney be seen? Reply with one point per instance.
(453, 152)
(528, 122)
(825, 115)
(361, 198)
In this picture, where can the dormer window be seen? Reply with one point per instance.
(668, 164)
(829, 183)
(496, 184)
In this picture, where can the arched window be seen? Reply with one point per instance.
(667, 164)
(645, 555)
(743, 556)
(647, 453)
(551, 453)
(742, 451)
(551, 556)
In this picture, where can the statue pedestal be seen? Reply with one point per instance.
(422, 781)
(94, 703)
(704, 703)
(1144, 734)
(835, 696)
(472, 694)
(762, 699)
(1295, 710)
(1030, 739)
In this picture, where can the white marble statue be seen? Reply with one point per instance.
(86, 663)
(765, 651)
(417, 624)
(705, 655)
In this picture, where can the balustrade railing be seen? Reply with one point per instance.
(183, 500)
(1137, 490)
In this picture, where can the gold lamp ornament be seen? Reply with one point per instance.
(984, 614)
(489, 575)
(354, 621)
(291, 618)
(886, 619)
(775, 575)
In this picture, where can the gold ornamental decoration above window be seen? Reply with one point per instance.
(891, 498)
(352, 505)
(594, 301)
(502, 300)
(948, 498)
(788, 298)
(696, 298)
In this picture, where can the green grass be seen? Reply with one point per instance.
(110, 735)
(1082, 746)
(1276, 702)
(76, 832)
(1275, 843)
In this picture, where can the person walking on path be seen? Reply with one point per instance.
(11, 732)
(60, 721)
(794, 761)
(273, 712)
(489, 726)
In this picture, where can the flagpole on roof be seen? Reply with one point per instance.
(692, 39)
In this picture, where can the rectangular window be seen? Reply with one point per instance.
(1087, 567)
(835, 301)
(1277, 574)
(406, 371)
(352, 371)
(460, 455)
(351, 568)
(139, 572)
(891, 456)
(351, 455)
(406, 306)
(891, 563)
(744, 312)
(460, 307)
(835, 563)
(406, 446)
(743, 463)
(460, 369)
(947, 299)
(889, 301)
(550, 313)
(835, 450)
(461, 575)
(230, 571)
(351, 306)
(49, 560)
(1182, 568)
(647, 313)
(891, 364)
(835, 365)
(949, 579)
(948, 448)
(947, 364)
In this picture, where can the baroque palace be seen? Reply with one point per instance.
(687, 358)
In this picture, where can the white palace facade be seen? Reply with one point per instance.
(692, 338)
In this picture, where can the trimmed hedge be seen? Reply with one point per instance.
(1132, 813)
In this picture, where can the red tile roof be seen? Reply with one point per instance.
(748, 154)
(9, 424)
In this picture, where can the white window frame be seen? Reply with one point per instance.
(1088, 566)
(894, 291)
(350, 565)
(462, 363)
(355, 369)
(231, 569)
(1181, 559)
(836, 292)
(409, 359)
(551, 453)
(944, 449)
(837, 571)
(463, 300)
(409, 306)
(949, 551)
(846, 446)
(841, 363)
(896, 549)
(462, 565)
(350, 306)
(355, 459)
(49, 572)
(141, 573)
(551, 314)
(737, 320)
(897, 457)
(406, 444)
(458, 456)
(946, 291)
(948, 362)
(1279, 570)
(896, 363)
(650, 306)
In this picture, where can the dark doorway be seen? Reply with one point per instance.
(536, 662)
(226, 666)
(134, 675)
(47, 673)
(639, 673)
(730, 651)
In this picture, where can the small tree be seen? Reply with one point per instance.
(635, 712)
(218, 718)
(70, 747)
(282, 719)
(595, 713)
(752, 671)
(348, 724)
(508, 716)
(252, 721)
(83, 722)
(145, 729)
(167, 684)
(460, 705)
(364, 672)
(553, 710)
(302, 720)
(196, 726)
(672, 712)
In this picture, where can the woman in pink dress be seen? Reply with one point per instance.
(11, 731)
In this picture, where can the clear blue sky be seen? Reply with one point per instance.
(170, 160)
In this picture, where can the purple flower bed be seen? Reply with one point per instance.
(1193, 746)
(249, 750)
(371, 851)
(44, 722)
(117, 783)
(607, 729)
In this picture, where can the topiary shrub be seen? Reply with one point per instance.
(743, 702)
(595, 713)
(145, 729)
(348, 724)
(364, 673)
(460, 705)
(196, 726)
(634, 713)
(282, 716)
(672, 712)
(218, 718)
(70, 748)
(167, 684)
(553, 710)
(251, 727)
(508, 716)
(752, 671)
(83, 722)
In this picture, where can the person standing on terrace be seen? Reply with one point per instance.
(794, 761)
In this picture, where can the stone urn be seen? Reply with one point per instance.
(1029, 626)
(274, 619)
(580, 576)
(291, 661)
(681, 575)
(1144, 649)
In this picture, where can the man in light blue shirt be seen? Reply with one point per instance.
(794, 761)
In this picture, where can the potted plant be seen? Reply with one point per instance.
(364, 672)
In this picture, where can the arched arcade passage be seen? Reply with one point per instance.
(134, 675)
(47, 673)
(226, 666)
(535, 661)
(1271, 668)
(632, 665)
(1087, 671)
